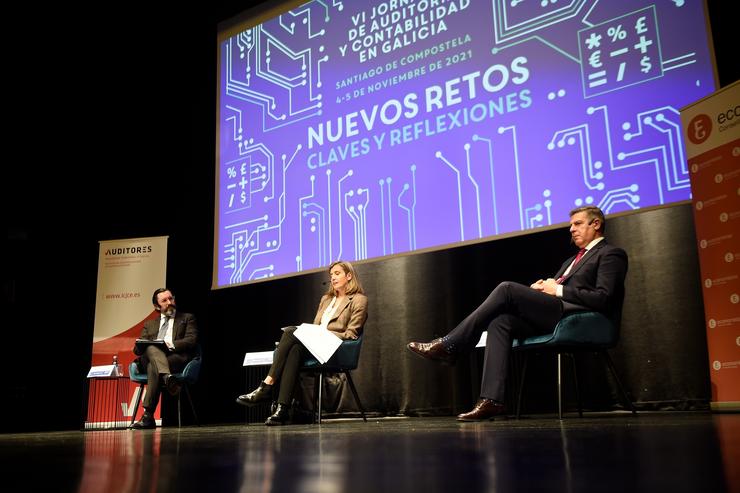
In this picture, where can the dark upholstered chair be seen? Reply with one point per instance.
(575, 333)
(188, 376)
(344, 360)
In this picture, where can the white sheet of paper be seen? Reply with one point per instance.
(318, 340)
(102, 371)
(259, 358)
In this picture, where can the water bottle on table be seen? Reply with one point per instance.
(117, 368)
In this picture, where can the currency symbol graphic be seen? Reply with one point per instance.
(645, 64)
(593, 60)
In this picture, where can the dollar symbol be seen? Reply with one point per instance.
(593, 60)
(645, 64)
(244, 197)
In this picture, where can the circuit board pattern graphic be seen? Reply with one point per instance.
(355, 130)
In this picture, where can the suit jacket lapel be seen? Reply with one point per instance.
(564, 267)
(341, 307)
(586, 256)
(176, 324)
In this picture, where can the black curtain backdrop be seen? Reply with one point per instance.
(661, 358)
(111, 135)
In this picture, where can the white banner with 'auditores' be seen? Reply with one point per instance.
(129, 271)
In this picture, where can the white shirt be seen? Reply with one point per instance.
(329, 312)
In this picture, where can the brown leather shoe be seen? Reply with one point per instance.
(433, 350)
(485, 409)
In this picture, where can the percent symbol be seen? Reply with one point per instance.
(616, 33)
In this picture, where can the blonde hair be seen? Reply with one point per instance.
(353, 285)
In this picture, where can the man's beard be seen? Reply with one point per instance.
(170, 311)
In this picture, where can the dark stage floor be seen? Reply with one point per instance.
(653, 452)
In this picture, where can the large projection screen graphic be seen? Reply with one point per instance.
(359, 129)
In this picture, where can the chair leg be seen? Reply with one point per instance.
(560, 387)
(192, 407)
(354, 392)
(578, 386)
(179, 414)
(605, 354)
(521, 386)
(136, 404)
(321, 384)
(315, 396)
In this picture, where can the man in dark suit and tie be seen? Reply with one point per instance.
(180, 333)
(592, 280)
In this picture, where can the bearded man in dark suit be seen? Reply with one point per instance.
(593, 280)
(180, 333)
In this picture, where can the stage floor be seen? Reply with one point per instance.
(676, 452)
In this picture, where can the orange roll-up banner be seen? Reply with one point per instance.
(712, 135)
(128, 273)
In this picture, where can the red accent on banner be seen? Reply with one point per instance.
(110, 401)
(121, 344)
(715, 184)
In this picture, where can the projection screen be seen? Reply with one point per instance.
(361, 129)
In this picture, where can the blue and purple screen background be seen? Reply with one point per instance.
(444, 122)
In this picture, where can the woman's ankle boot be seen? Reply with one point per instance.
(260, 394)
(280, 417)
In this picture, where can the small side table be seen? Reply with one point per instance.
(257, 365)
(107, 401)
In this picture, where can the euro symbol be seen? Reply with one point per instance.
(593, 60)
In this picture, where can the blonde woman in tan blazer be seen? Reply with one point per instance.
(342, 310)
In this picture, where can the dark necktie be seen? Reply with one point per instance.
(581, 252)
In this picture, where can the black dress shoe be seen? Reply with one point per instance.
(172, 384)
(146, 422)
(260, 394)
(434, 350)
(485, 409)
(280, 417)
